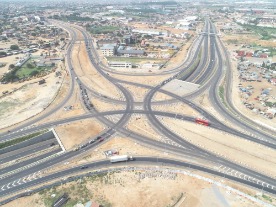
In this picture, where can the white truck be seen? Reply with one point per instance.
(120, 158)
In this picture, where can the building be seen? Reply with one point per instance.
(150, 32)
(108, 49)
(119, 65)
(263, 55)
(130, 53)
(129, 39)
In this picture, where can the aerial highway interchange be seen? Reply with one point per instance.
(209, 72)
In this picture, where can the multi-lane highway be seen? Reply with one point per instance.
(208, 73)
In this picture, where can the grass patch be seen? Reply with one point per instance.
(221, 93)
(102, 29)
(6, 106)
(192, 68)
(265, 32)
(26, 71)
(267, 198)
(133, 59)
(18, 140)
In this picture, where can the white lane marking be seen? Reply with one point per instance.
(29, 177)
(13, 184)
(3, 188)
(24, 181)
(19, 181)
(239, 175)
(8, 185)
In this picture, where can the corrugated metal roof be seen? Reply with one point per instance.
(139, 52)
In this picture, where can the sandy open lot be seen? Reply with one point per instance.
(28, 101)
(88, 74)
(74, 101)
(79, 132)
(177, 108)
(255, 156)
(147, 187)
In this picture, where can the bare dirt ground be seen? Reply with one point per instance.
(148, 80)
(203, 101)
(139, 124)
(9, 60)
(142, 188)
(180, 56)
(256, 156)
(248, 39)
(30, 100)
(161, 97)
(137, 92)
(177, 108)
(88, 73)
(105, 106)
(75, 133)
(74, 101)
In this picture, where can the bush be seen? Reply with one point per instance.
(11, 66)
(14, 47)
(34, 73)
(29, 65)
(3, 54)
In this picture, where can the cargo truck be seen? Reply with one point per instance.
(202, 122)
(120, 158)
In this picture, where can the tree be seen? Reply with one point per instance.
(11, 66)
(62, 39)
(242, 59)
(29, 65)
(263, 65)
(14, 47)
(3, 54)
(34, 73)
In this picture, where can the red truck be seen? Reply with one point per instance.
(202, 122)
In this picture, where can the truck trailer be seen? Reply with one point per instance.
(202, 122)
(120, 158)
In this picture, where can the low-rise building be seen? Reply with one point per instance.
(119, 65)
(130, 53)
(108, 49)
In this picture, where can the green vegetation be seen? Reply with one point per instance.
(11, 66)
(11, 76)
(265, 32)
(232, 41)
(270, 104)
(72, 17)
(77, 191)
(102, 29)
(7, 106)
(267, 197)
(14, 47)
(20, 139)
(29, 69)
(221, 93)
(192, 68)
(29, 65)
(3, 53)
